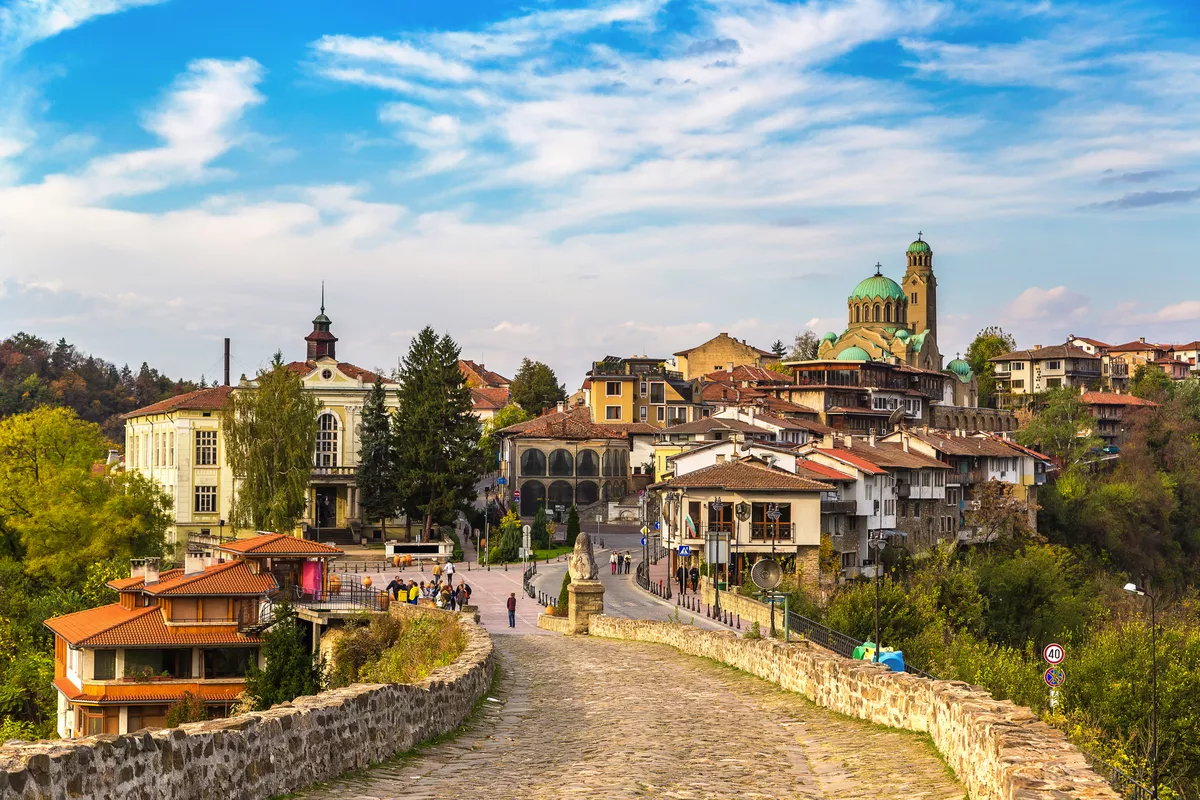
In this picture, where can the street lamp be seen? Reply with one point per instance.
(717, 506)
(1132, 588)
(876, 543)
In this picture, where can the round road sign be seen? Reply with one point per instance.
(1055, 677)
(526, 529)
(1054, 653)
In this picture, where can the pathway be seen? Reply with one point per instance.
(580, 717)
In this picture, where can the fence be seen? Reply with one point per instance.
(527, 579)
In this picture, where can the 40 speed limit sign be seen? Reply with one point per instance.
(1054, 653)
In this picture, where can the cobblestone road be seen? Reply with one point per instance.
(612, 719)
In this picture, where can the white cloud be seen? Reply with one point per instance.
(516, 328)
(26, 22)
(1056, 304)
(1185, 311)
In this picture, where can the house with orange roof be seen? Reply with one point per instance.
(489, 390)
(196, 629)
(179, 444)
(1114, 414)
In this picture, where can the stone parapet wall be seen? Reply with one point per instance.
(259, 755)
(556, 624)
(749, 609)
(998, 750)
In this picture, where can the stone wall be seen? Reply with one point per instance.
(749, 609)
(997, 749)
(258, 755)
(556, 624)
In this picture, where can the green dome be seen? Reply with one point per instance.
(829, 337)
(878, 286)
(920, 246)
(902, 334)
(854, 354)
(962, 369)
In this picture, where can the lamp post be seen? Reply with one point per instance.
(1133, 589)
(773, 515)
(717, 506)
(875, 541)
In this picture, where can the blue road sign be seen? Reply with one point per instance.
(685, 550)
(1055, 677)
(657, 526)
(501, 481)
(643, 541)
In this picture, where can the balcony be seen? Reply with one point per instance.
(771, 531)
(839, 507)
(333, 474)
(903, 490)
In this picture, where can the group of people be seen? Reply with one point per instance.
(441, 590)
(687, 577)
(620, 562)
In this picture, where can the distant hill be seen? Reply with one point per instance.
(34, 372)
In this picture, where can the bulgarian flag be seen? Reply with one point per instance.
(691, 525)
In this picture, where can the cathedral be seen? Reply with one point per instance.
(892, 322)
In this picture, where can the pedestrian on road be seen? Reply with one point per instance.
(694, 574)
(460, 597)
(612, 562)
(466, 589)
(628, 561)
(448, 572)
(512, 610)
(393, 589)
(681, 576)
(437, 574)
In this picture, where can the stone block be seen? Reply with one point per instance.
(586, 600)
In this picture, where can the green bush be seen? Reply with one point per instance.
(292, 670)
(564, 596)
(189, 708)
(573, 528)
(539, 531)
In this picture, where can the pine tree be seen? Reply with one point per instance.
(270, 431)
(564, 595)
(535, 387)
(377, 477)
(572, 526)
(292, 669)
(539, 534)
(436, 433)
(779, 348)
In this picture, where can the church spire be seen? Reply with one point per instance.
(321, 343)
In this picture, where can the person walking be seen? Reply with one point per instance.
(512, 610)
(448, 573)
(694, 574)
(437, 574)
(393, 589)
(681, 576)
(612, 562)
(628, 561)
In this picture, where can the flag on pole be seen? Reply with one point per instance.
(690, 525)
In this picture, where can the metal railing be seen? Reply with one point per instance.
(527, 579)
(1118, 778)
(350, 597)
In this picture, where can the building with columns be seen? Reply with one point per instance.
(179, 444)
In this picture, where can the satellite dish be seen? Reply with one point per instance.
(895, 417)
(766, 574)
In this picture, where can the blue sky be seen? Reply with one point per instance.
(569, 180)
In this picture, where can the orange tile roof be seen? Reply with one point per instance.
(116, 626)
(819, 471)
(229, 578)
(575, 423)
(303, 368)
(479, 376)
(150, 692)
(858, 462)
(489, 398)
(746, 475)
(1114, 399)
(137, 582)
(278, 544)
(211, 399)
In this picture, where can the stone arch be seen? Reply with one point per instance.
(562, 463)
(887, 311)
(533, 497)
(533, 462)
(877, 310)
(858, 314)
(560, 493)
(587, 463)
(586, 493)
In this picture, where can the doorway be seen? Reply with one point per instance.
(326, 507)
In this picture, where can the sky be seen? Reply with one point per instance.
(569, 180)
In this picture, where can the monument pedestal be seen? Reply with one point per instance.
(586, 600)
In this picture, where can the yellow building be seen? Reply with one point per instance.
(178, 443)
(641, 389)
(722, 352)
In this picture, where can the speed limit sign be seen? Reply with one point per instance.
(1054, 653)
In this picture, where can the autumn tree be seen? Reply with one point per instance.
(1061, 429)
(988, 343)
(805, 346)
(536, 388)
(1150, 383)
(270, 431)
(1001, 515)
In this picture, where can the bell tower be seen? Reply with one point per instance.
(920, 285)
(321, 343)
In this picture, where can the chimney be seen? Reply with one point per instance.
(904, 441)
(196, 562)
(1037, 347)
(847, 440)
(871, 438)
(146, 568)
(1142, 339)
(827, 441)
(113, 457)
(226, 360)
(562, 406)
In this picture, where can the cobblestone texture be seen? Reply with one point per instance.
(603, 718)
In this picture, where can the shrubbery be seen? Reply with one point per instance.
(388, 649)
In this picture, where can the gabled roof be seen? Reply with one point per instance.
(1054, 351)
(1114, 399)
(228, 578)
(818, 471)
(1092, 342)
(858, 462)
(891, 456)
(146, 693)
(574, 423)
(278, 544)
(303, 368)
(758, 350)
(745, 475)
(777, 405)
(952, 445)
(709, 424)
(1137, 346)
(479, 376)
(138, 582)
(211, 399)
(116, 626)
(749, 374)
(489, 398)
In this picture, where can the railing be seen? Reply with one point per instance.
(527, 580)
(334, 472)
(350, 597)
(771, 532)
(839, 506)
(1118, 779)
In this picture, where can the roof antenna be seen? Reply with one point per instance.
(322, 297)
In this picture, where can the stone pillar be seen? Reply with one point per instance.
(586, 600)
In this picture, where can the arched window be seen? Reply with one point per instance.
(887, 313)
(877, 312)
(587, 464)
(914, 298)
(329, 440)
(609, 468)
(533, 462)
(587, 492)
(857, 314)
(561, 463)
(533, 496)
(560, 494)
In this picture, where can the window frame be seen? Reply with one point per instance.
(206, 448)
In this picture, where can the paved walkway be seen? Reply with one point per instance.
(581, 717)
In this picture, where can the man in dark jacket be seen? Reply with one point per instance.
(694, 574)
(681, 576)
(512, 610)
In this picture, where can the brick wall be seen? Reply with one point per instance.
(258, 755)
(998, 750)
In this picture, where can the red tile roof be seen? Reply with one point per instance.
(709, 424)
(744, 372)
(211, 399)
(303, 368)
(819, 471)
(116, 626)
(150, 693)
(229, 578)
(1092, 342)
(137, 582)
(1114, 399)
(746, 475)
(1136, 347)
(479, 376)
(758, 350)
(489, 398)
(278, 544)
(853, 460)
(575, 423)
(1043, 353)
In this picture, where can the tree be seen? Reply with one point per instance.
(988, 343)
(1000, 515)
(436, 433)
(564, 596)
(805, 346)
(780, 367)
(1150, 383)
(536, 388)
(189, 708)
(292, 669)
(60, 509)
(779, 348)
(1040, 593)
(507, 540)
(270, 432)
(377, 477)
(539, 534)
(573, 528)
(1062, 429)
(489, 443)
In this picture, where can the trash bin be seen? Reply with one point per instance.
(864, 652)
(894, 659)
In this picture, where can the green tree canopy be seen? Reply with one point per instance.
(292, 669)
(988, 343)
(779, 348)
(805, 346)
(270, 435)
(436, 433)
(1061, 429)
(539, 531)
(573, 528)
(536, 388)
(489, 443)
(1150, 383)
(378, 470)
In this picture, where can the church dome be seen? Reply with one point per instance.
(920, 246)
(879, 286)
(854, 354)
(962, 369)
(829, 337)
(902, 334)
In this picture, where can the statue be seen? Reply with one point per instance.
(582, 564)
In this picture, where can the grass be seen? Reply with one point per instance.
(396, 649)
(542, 555)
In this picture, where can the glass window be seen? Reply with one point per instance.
(1054, 365)
(158, 662)
(171, 449)
(147, 717)
(662, 413)
(104, 666)
(206, 500)
(613, 389)
(533, 462)
(642, 415)
(228, 662)
(206, 448)
(587, 464)
(612, 412)
(561, 462)
(658, 392)
(762, 527)
(328, 440)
